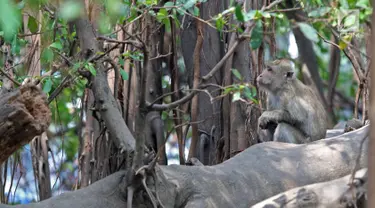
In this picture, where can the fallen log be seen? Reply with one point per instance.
(334, 194)
(259, 172)
(24, 114)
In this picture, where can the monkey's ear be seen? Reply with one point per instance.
(289, 74)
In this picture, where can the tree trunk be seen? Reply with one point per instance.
(24, 114)
(259, 172)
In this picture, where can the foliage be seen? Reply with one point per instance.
(347, 17)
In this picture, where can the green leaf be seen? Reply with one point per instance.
(104, 24)
(16, 48)
(116, 8)
(250, 15)
(76, 66)
(10, 19)
(248, 93)
(236, 96)
(319, 12)
(189, 4)
(162, 14)
(362, 4)
(350, 20)
(266, 14)
(47, 55)
(220, 22)
(257, 35)
(228, 90)
(91, 68)
(169, 4)
(47, 85)
(32, 24)
(57, 45)
(308, 31)
(240, 17)
(70, 10)
(124, 74)
(164, 115)
(258, 14)
(196, 11)
(237, 74)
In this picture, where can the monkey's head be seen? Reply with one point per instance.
(276, 76)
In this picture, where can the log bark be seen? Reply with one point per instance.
(24, 114)
(259, 172)
(334, 194)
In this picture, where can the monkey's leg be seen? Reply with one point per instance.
(287, 133)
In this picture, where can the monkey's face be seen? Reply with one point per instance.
(274, 77)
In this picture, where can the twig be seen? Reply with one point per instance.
(117, 75)
(161, 56)
(161, 107)
(10, 78)
(131, 42)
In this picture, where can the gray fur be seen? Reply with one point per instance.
(291, 105)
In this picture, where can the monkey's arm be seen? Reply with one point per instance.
(274, 116)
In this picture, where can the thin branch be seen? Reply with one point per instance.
(162, 107)
(117, 75)
(10, 78)
(131, 42)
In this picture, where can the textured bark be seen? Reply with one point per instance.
(334, 70)
(209, 114)
(104, 100)
(334, 194)
(259, 172)
(154, 124)
(371, 112)
(24, 114)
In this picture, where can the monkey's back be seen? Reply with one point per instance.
(303, 106)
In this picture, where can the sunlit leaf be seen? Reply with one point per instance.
(342, 45)
(250, 15)
(162, 14)
(362, 4)
(220, 22)
(308, 31)
(350, 20)
(266, 14)
(236, 96)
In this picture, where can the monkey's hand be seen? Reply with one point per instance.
(266, 120)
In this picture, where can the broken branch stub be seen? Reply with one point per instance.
(24, 114)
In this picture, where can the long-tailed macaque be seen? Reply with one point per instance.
(294, 112)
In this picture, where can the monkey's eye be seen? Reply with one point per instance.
(269, 69)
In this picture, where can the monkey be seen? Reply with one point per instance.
(294, 113)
